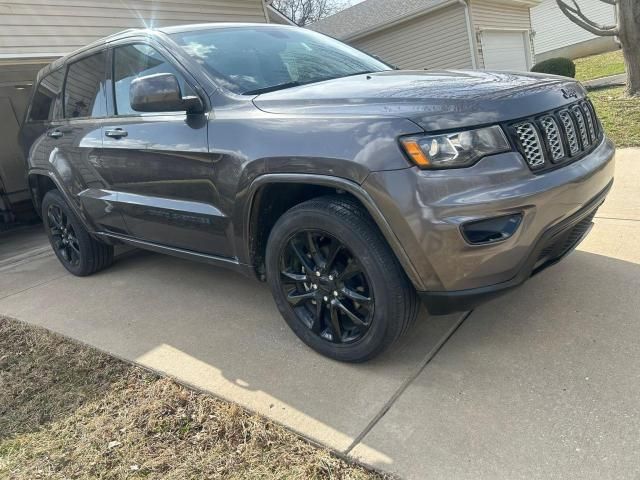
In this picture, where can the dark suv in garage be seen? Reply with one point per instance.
(352, 188)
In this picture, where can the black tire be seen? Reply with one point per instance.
(79, 252)
(341, 220)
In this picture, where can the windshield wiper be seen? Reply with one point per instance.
(363, 72)
(282, 86)
(273, 88)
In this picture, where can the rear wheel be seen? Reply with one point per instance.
(78, 252)
(336, 282)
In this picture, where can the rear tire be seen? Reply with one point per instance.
(350, 305)
(79, 252)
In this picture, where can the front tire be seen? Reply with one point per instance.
(78, 251)
(336, 282)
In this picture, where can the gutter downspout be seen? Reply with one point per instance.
(470, 34)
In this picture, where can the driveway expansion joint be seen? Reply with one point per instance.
(618, 218)
(25, 257)
(34, 286)
(387, 406)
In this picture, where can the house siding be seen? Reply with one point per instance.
(33, 27)
(488, 15)
(436, 40)
(554, 30)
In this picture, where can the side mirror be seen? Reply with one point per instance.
(161, 93)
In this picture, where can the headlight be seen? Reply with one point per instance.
(454, 150)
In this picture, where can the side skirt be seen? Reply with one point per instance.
(230, 263)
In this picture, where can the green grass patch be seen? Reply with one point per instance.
(597, 66)
(619, 115)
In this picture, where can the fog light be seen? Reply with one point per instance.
(491, 230)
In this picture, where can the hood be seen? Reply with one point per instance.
(434, 100)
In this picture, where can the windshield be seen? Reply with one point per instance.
(252, 60)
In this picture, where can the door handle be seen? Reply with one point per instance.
(55, 134)
(116, 133)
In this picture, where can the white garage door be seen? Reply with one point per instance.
(505, 50)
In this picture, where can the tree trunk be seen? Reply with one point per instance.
(629, 34)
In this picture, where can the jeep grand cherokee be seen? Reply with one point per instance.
(353, 189)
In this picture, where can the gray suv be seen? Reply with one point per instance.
(353, 189)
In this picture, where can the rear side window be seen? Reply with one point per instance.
(84, 94)
(46, 101)
(135, 61)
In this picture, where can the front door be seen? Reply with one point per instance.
(160, 163)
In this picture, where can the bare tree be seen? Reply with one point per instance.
(626, 31)
(306, 12)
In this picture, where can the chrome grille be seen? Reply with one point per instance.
(592, 111)
(582, 127)
(570, 131)
(531, 144)
(588, 114)
(557, 136)
(552, 132)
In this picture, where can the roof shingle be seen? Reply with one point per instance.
(369, 15)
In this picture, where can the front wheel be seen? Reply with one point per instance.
(336, 282)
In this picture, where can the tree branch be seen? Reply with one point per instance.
(578, 12)
(576, 16)
(304, 12)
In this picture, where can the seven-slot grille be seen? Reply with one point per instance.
(558, 136)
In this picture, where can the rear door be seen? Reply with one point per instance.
(161, 165)
(78, 142)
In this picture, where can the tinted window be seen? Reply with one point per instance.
(84, 89)
(247, 60)
(135, 61)
(46, 100)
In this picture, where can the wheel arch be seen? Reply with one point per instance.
(42, 181)
(252, 206)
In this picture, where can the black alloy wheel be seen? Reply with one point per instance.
(63, 236)
(335, 280)
(327, 287)
(78, 251)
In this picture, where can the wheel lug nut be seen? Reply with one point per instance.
(326, 299)
(315, 287)
(335, 293)
(317, 274)
(330, 277)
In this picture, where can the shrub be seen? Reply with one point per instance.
(556, 66)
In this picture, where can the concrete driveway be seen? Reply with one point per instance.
(541, 383)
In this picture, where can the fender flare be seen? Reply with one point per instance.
(340, 184)
(65, 194)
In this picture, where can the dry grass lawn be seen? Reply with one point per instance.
(68, 411)
(620, 115)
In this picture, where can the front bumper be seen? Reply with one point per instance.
(553, 245)
(426, 210)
